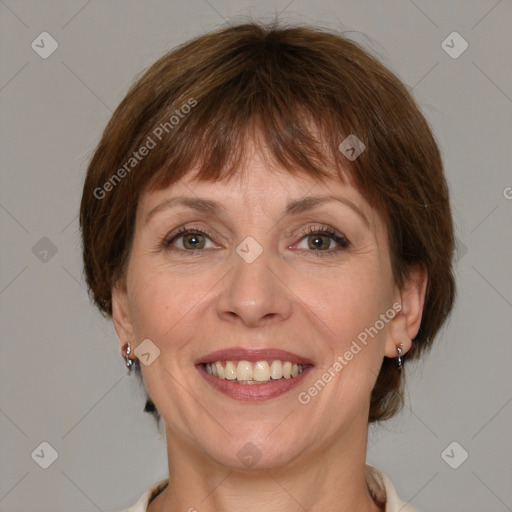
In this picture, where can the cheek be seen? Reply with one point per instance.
(161, 300)
(170, 307)
(347, 302)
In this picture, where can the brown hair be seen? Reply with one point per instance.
(301, 91)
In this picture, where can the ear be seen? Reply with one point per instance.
(121, 317)
(406, 323)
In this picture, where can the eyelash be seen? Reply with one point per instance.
(340, 239)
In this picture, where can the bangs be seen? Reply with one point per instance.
(218, 139)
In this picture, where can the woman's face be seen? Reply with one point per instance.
(257, 280)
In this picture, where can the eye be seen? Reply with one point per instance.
(320, 239)
(192, 239)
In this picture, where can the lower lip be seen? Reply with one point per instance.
(252, 392)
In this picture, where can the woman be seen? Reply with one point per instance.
(267, 223)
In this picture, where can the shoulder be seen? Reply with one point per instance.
(383, 490)
(145, 499)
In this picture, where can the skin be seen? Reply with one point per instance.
(312, 456)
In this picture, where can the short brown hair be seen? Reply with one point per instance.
(302, 91)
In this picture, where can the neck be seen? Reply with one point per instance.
(330, 479)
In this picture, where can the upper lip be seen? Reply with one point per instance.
(242, 354)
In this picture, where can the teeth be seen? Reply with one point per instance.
(229, 371)
(261, 372)
(276, 370)
(244, 371)
(220, 369)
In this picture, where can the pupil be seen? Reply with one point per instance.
(318, 239)
(196, 242)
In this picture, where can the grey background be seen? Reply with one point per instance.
(63, 380)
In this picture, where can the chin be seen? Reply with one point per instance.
(255, 450)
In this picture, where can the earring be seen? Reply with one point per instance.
(129, 362)
(399, 350)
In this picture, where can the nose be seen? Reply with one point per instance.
(255, 293)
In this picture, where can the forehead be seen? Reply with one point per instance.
(257, 183)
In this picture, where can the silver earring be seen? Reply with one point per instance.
(129, 362)
(399, 350)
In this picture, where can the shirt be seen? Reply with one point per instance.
(379, 485)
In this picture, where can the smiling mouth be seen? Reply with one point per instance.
(260, 372)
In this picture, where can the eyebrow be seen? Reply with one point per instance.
(292, 208)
